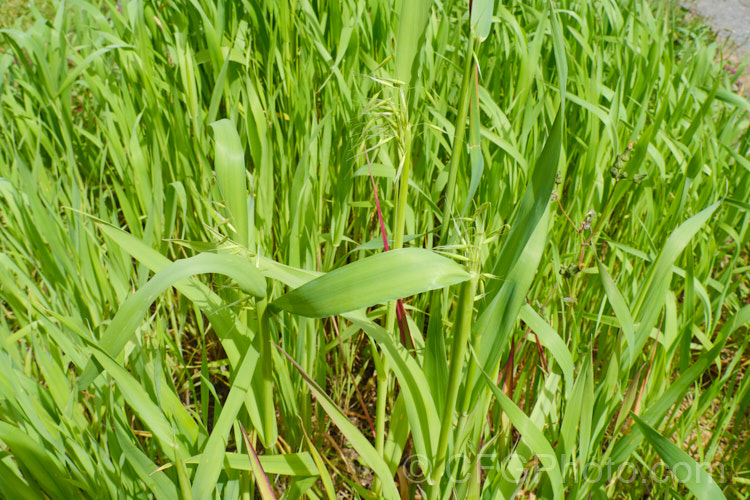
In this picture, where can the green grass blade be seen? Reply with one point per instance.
(651, 295)
(372, 280)
(481, 17)
(231, 177)
(531, 434)
(619, 306)
(157, 482)
(12, 486)
(496, 321)
(147, 411)
(676, 391)
(535, 199)
(420, 407)
(475, 149)
(558, 45)
(131, 313)
(552, 341)
(221, 318)
(325, 477)
(687, 470)
(47, 472)
(212, 458)
(366, 451)
(261, 479)
(290, 464)
(415, 16)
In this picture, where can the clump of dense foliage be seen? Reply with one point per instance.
(396, 249)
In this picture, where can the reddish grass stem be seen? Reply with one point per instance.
(400, 311)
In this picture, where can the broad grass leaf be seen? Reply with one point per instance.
(682, 465)
(652, 293)
(435, 355)
(535, 199)
(231, 177)
(420, 406)
(12, 486)
(733, 98)
(156, 481)
(415, 14)
(290, 464)
(233, 334)
(325, 477)
(222, 319)
(144, 408)
(481, 17)
(572, 417)
(372, 280)
(499, 316)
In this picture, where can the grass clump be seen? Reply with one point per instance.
(195, 202)
(21, 13)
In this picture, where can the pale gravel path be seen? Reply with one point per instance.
(730, 19)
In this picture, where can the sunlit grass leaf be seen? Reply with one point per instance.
(552, 341)
(231, 176)
(676, 391)
(651, 295)
(11, 485)
(157, 482)
(325, 478)
(619, 306)
(481, 17)
(559, 48)
(31, 456)
(420, 407)
(372, 280)
(411, 37)
(535, 199)
(147, 410)
(682, 465)
(498, 318)
(475, 148)
(290, 464)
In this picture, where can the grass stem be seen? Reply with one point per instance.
(465, 308)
